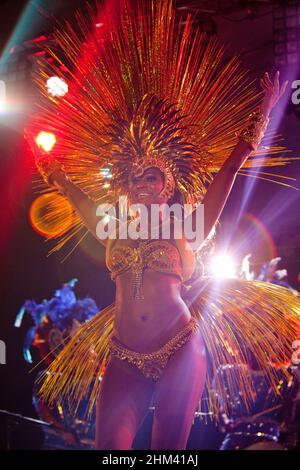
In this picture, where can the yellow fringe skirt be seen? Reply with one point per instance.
(238, 319)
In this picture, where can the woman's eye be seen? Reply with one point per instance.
(151, 178)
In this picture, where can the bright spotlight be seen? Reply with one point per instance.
(222, 267)
(46, 141)
(56, 86)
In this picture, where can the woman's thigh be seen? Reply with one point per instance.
(123, 402)
(177, 394)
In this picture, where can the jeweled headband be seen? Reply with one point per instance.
(139, 167)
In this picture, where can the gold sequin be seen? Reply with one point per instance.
(152, 364)
(159, 255)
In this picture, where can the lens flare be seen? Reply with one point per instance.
(223, 267)
(46, 141)
(42, 215)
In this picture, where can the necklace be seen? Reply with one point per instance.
(138, 265)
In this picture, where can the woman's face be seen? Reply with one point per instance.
(145, 189)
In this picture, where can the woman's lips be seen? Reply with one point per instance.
(139, 195)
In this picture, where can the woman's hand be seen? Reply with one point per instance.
(37, 151)
(50, 169)
(273, 92)
(53, 174)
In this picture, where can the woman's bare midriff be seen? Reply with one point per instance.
(146, 325)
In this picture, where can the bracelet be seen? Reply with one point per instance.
(47, 166)
(255, 130)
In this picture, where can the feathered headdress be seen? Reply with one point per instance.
(145, 88)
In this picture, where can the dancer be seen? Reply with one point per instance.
(153, 113)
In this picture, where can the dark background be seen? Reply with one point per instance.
(260, 217)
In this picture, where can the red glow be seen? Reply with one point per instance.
(35, 40)
(39, 53)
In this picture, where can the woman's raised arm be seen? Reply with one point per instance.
(219, 190)
(53, 174)
(81, 202)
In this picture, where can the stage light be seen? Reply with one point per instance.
(46, 141)
(56, 86)
(222, 267)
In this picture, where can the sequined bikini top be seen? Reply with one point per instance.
(166, 256)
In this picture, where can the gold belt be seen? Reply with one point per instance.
(152, 364)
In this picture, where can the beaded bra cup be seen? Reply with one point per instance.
(159, 255)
